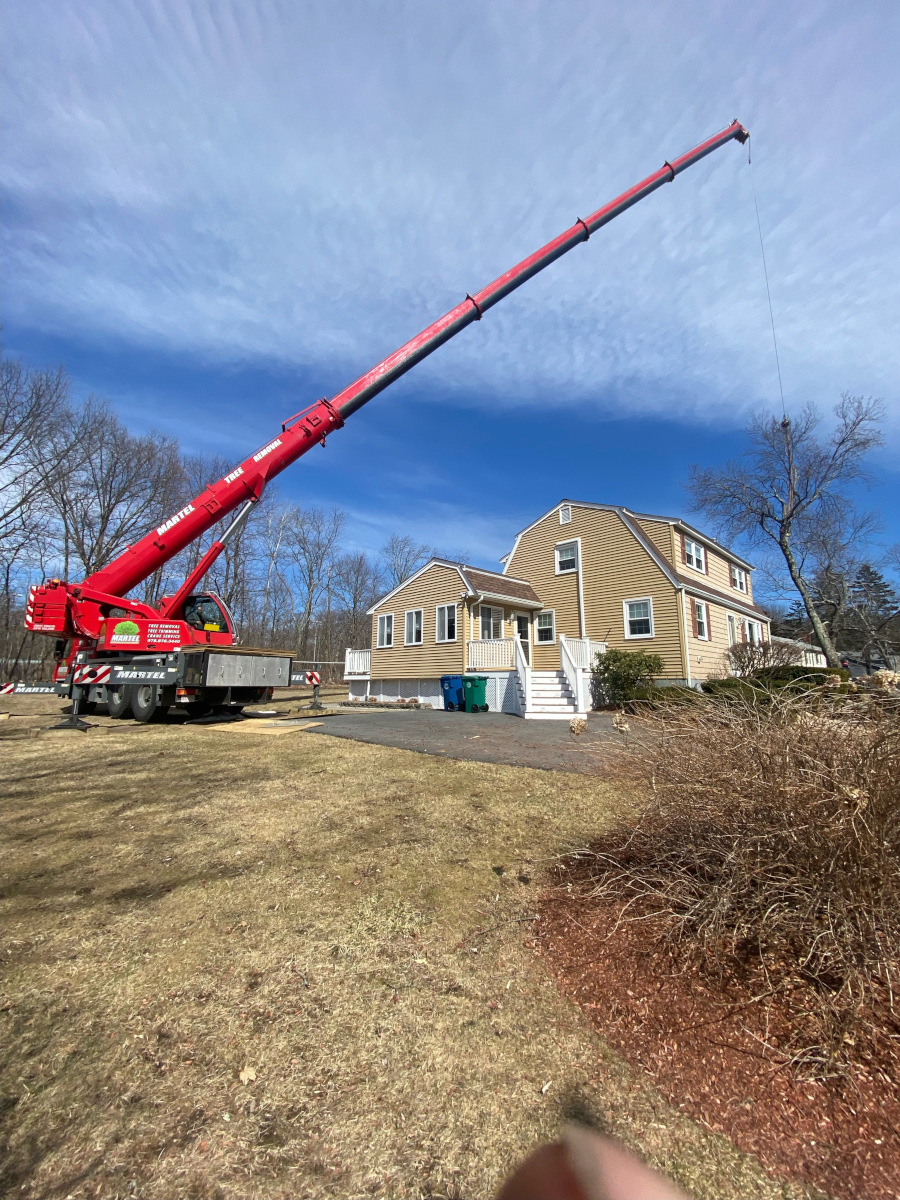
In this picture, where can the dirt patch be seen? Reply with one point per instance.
(295, 967)
(709, 1050)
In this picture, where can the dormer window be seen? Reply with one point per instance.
(739, 578)
(565, 514)
(695, 555)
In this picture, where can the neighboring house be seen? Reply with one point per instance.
(809, 655)
(579, 578)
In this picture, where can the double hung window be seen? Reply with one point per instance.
(738, 578)
(491, 623)
(732, 630)
(445, 623)
(545, 627)
(385, 631)
(414, 627)
(752, 632)
(694, 555)
(701, 620)
(566, 557)
(638, 618)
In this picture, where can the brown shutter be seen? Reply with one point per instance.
(694, 617)
(683, 551)
(706, 560)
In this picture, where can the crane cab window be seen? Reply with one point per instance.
(203, 612)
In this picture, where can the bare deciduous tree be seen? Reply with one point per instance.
(357, 583)
(35, 416)
(789, 485)
(400, 556)
(310, 544)
(120, 486)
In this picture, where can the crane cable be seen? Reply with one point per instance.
(766, 274)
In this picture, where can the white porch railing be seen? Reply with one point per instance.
(523, 670)
(498, 654)
(575, 675)
(584, 650)
(357, 664)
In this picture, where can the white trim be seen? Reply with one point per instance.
(576, 542)
(544, 612)
(735, 572)
(582, 627)
(379, 645)
(698, 604)
(687, 636)
(637, 637)
(441, 562)
(492, 608)
(445, 641)
(702, 569)
(506, 600)
(747, 622)
(406, 616)
(514, 614)
(460, 569)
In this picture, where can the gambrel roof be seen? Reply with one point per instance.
(630, 520)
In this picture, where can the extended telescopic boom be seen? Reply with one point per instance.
(302, 431)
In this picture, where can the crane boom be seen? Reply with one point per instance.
(312, 426)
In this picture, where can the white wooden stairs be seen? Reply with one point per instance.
(552, 699)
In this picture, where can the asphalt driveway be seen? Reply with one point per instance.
(481, 737)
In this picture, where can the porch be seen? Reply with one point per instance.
(543, 695)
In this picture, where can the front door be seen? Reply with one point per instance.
(523, 633)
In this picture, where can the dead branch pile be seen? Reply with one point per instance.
(770, 851)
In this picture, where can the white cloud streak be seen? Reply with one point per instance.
(309, 184)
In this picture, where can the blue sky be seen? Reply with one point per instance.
(218, 210)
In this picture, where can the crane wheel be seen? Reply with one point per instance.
(145, 703)
(118, 701)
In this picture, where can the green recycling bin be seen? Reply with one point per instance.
(474, 689)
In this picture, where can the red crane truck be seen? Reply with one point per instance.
(137, 659)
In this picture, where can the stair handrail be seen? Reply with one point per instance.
(523, 670)
(572, 673)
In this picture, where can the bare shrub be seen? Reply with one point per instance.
(747, 658)
(770, 853)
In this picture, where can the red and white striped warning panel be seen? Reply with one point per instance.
(27, 689)
(97, 673)
(313, 678)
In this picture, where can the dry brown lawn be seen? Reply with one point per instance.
(295, 967)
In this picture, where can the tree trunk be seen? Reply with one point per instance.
(799, 582)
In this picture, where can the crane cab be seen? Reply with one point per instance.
(206, 612)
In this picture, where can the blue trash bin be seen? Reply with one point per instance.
(454, 697)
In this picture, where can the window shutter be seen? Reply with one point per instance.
(694, 617)
(683, 551)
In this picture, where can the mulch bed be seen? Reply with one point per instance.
(704, 1047)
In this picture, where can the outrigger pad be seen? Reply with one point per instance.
(72, 722)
